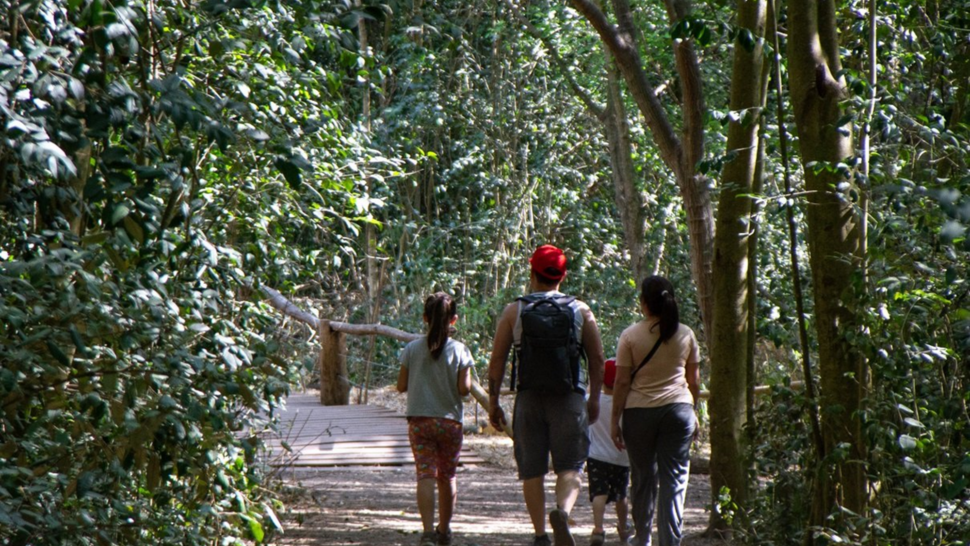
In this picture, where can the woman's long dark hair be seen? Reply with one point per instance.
(439, 309)
(657, 293)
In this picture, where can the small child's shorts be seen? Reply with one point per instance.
(607, 479)
(436, 445)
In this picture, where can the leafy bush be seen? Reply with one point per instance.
(130, 393)
(136, 191)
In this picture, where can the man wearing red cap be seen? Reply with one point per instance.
(546, 421)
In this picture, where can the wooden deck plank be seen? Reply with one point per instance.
(321, 436)
(401, 451)
(357, 447)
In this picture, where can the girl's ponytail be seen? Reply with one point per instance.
(657, 293)
(439, 310)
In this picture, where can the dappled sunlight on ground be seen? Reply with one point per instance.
(376, 505)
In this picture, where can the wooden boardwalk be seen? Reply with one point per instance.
(323, 436)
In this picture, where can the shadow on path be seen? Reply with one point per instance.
(376, 506)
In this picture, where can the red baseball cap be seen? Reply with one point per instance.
(609, 372)
(549, 262)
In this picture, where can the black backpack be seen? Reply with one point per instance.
(548, 351)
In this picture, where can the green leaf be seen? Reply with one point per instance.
(95, 238)
(907, 442)
(955, 489)
(272, 517)
(680, 29)
(167, 403)
(58, 354)
(120, 212)
(256, 528)
(703, 35)
(847, 118)
(746, 39)
(134, 230)
(291, 172)
(79, 343)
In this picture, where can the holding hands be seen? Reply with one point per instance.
(496, 416)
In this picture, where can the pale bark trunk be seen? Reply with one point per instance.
(834, 241)
(374, 283)
(629, 201)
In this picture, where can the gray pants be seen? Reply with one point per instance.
(658, 441)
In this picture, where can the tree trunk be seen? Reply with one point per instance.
(629, 202)
(729, 339)
(817, 89)
(679, 153)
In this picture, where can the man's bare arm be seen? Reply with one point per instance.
(501, 345)
(593, 345)
(496, 365)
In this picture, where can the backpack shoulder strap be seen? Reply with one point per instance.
(646, 358)
(536, 298)
(564, 300)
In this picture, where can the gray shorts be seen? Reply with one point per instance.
(549, 423)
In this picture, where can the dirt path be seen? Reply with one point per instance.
(376, 506)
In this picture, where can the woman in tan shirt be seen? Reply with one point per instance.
(655, 397)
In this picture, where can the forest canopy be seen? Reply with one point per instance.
(797, 168)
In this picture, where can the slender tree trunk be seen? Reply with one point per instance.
(834, 239)
(811, 403)
(374, 283)
(616, 127)
(729, 341)
(757, 188)
(629, 202)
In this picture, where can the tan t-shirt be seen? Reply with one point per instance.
(663, 379)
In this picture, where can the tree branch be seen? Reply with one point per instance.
(290, 309)
(596, 109)
(623, 47)
(692, 90)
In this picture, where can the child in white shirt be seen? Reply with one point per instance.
(607, 468)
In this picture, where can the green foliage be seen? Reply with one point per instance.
(915, 308)
(154, 157)
(502, 158)
(781, 447)
(126, 394)
(162, 160)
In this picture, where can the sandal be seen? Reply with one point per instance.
(444, 538)
(429, 538)
(597, 539)
(559, 519)
(625, 534)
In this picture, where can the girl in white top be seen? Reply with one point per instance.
(435, 372)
